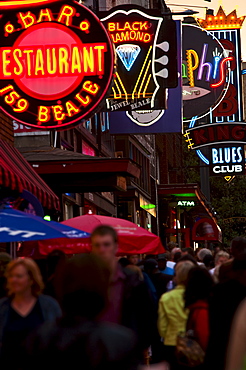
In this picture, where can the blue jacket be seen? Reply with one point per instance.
(49, 307)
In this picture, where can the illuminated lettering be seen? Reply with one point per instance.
(45, 15)
(66, 14)
(111, 27)
(131, 36)
(224, 169)
(63, 61)
(39, 65)
(84, 101)
(6, 62)
(51, 61)
(88, 59)
(204, 64)
(227, 155)
(135, 26)
(18, 71)
(28, 61)
(215, 158)
(222, 72)
(90, 87)
(240, 157)
(26, 20)
(190, 66)
(58, 113)
(186, 203)
(43, 114)
(76, 62)
(100, 49)
(71, 108)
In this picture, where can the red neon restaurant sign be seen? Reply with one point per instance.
(56, 64)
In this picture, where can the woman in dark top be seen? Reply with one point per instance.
(79, 340)
(23, 311)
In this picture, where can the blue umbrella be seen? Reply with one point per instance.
(16, 226)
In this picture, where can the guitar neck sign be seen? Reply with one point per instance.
(56, 64)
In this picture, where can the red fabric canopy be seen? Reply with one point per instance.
(17, 174)
(132, 239)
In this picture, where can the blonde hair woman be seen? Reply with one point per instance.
(172, 315)
(23, 310)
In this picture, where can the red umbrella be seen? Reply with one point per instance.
(132, 238)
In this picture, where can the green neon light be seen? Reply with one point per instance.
(47, 218)
(148, 206)
(187, 195)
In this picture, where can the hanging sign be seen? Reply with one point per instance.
(146, 52)
(56, 64)
(204, 71)
(227, 159)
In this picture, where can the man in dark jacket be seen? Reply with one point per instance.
(129, 300)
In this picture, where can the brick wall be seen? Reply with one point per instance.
(6, 129)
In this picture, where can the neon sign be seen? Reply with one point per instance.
(56, 64)
(226, 28)
(204, 135)
(146, 50)
(227, 159)
(204, 70)
(186, 203)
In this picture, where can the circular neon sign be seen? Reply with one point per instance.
(56, 64)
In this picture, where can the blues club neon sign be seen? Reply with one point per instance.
(56, 64)
(225, 129)
(146, 52)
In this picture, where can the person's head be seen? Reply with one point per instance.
(188, 250)
(162, 262)
(150, 266)
(198, 286)
(133, 259)
(181, 271)
(174, 250)
(188, 257)
(104, 243)
(82, 285)
(23, 275)
(238, 246)
(208, 261)
(171, 246)
(202, 253)
(177, 257)
(136, 270)
(123, 261)
(221, 257)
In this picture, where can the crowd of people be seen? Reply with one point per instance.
(98, 311)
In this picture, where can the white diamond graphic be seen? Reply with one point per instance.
(128, 53)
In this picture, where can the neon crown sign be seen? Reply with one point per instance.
(56, 64)
(222, 21)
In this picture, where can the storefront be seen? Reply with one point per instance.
(182, 207)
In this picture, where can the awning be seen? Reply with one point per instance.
(188, 192)
(17, 174)
(67, 171)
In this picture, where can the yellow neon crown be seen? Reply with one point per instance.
(221, 20)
